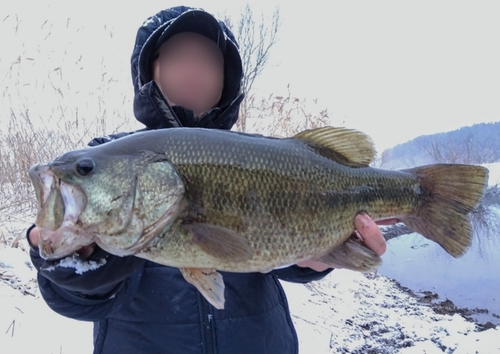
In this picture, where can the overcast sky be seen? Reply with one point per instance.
(394, 69)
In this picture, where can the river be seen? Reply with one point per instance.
(472, 281)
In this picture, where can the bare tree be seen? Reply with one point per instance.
(255, 37)
(440, 151)
(466, 149)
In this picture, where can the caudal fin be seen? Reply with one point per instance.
(452, 191)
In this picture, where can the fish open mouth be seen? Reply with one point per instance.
(60, 205)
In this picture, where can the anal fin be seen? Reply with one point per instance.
(353, 255)
(209, 283)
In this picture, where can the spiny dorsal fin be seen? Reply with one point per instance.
(346, 146)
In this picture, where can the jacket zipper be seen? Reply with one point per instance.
(207, 325)
(284, 302)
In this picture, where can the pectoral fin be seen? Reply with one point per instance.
(220, 242)
(208, 282)
(353, 255)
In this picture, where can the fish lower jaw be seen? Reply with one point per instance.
(56, 244)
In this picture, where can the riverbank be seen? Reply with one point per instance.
(350, 312)
(347, 312)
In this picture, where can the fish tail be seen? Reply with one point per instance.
(450, 193)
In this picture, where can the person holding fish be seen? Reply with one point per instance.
(187, 72)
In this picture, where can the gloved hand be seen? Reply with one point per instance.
(94, 273)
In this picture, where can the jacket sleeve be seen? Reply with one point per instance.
(87, 290)
(296, 274)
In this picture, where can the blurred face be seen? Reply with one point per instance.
(190, 72)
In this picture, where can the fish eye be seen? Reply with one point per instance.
(85, 167)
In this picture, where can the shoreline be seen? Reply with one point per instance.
(447, 307)
(346, 312)
(350, 312)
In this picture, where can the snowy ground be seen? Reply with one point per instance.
(350, 312)
(347, 312)
(27, 324)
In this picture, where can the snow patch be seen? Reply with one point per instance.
(75, 262)
(16, 270)
(28, 325)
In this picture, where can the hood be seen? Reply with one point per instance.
(150, 107)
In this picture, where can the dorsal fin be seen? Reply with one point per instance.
(346, 146)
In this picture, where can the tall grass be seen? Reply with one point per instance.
(63, 84)
(66, 82)
(284, 115)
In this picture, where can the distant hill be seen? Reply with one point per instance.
(476, 144)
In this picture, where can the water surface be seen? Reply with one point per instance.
(472, 281)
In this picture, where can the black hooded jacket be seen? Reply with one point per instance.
(138, 306)
(151, 108)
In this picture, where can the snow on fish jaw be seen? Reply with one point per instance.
(75, 262)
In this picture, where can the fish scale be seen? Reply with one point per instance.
(269, 190)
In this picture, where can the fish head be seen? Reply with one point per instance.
(121, 201)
